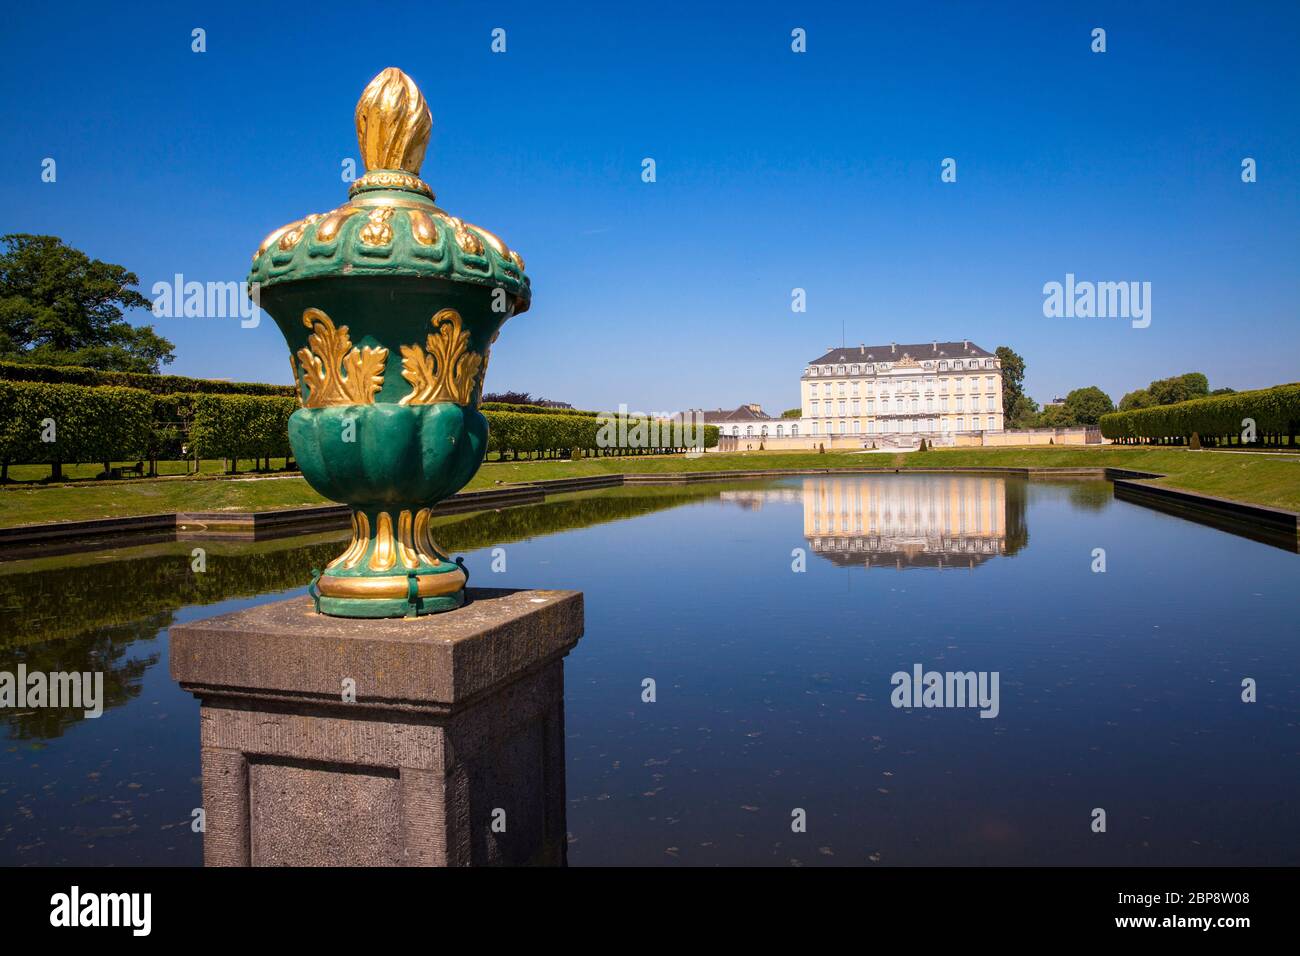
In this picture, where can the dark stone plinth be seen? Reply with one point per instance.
(451, 754)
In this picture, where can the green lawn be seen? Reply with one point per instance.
(87, 471)
(1273, 481)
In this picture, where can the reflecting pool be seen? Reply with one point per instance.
(771, 616)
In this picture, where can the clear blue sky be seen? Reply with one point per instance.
(775, 170)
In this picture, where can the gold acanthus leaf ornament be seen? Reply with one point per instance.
(445, 370)
(335, 372)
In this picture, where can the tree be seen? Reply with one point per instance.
(1013, 379)
(792, 413)
(60, 307)
(1179, 388)
(1138, 398)
(1055, 416)
(1086, 405)
(509, 398)
(1022, 414)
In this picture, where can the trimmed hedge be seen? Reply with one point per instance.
(1216, 419)
(112, 423)
(88, 424)
(533, 409)
(241, 426)
(515, 434)
(156, 384)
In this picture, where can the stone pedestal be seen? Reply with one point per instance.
(431, 741)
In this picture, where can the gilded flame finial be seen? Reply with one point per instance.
(393, 123)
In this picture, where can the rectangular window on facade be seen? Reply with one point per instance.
(814, 407)
(943, 403)
(857, 427)
(841, 406)
(991, 425)
(960, 403)
(855, 406)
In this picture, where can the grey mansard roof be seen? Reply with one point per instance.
(885, 353)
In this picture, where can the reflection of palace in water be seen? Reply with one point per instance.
(935, 521)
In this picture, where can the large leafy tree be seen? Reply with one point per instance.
(1013, 382)
(1138, 398)
(1085, 406)
(1179, 388)
(60, 307)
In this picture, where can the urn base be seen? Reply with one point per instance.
(391, 568)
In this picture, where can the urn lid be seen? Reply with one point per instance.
(390, 225)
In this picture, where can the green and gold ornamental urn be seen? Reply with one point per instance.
(390, 307)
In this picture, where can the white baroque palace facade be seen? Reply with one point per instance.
(935, 390)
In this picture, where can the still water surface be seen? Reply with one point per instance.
(1118, 690)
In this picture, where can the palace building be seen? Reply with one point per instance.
(934, 390)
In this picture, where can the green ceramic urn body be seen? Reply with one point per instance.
(390, 307)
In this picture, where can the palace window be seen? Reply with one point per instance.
(855, 389)
(813, 405)
(943, 403)
(853, 370)
(749, 431)
(871, 407)
(814, 428)
(929, 403)
(960, 403)
(991, 425)
(843, 427)
(780, 431)
(841, 407)
(794, 430)
(857, 427)
(855, 406)
(840, 370)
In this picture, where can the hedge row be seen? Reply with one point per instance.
(517, 433)
(83, 423)
(156, 384)
(241, 426)
(50, 423)
(533, 409)
(57, 424)
(1219, 418)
